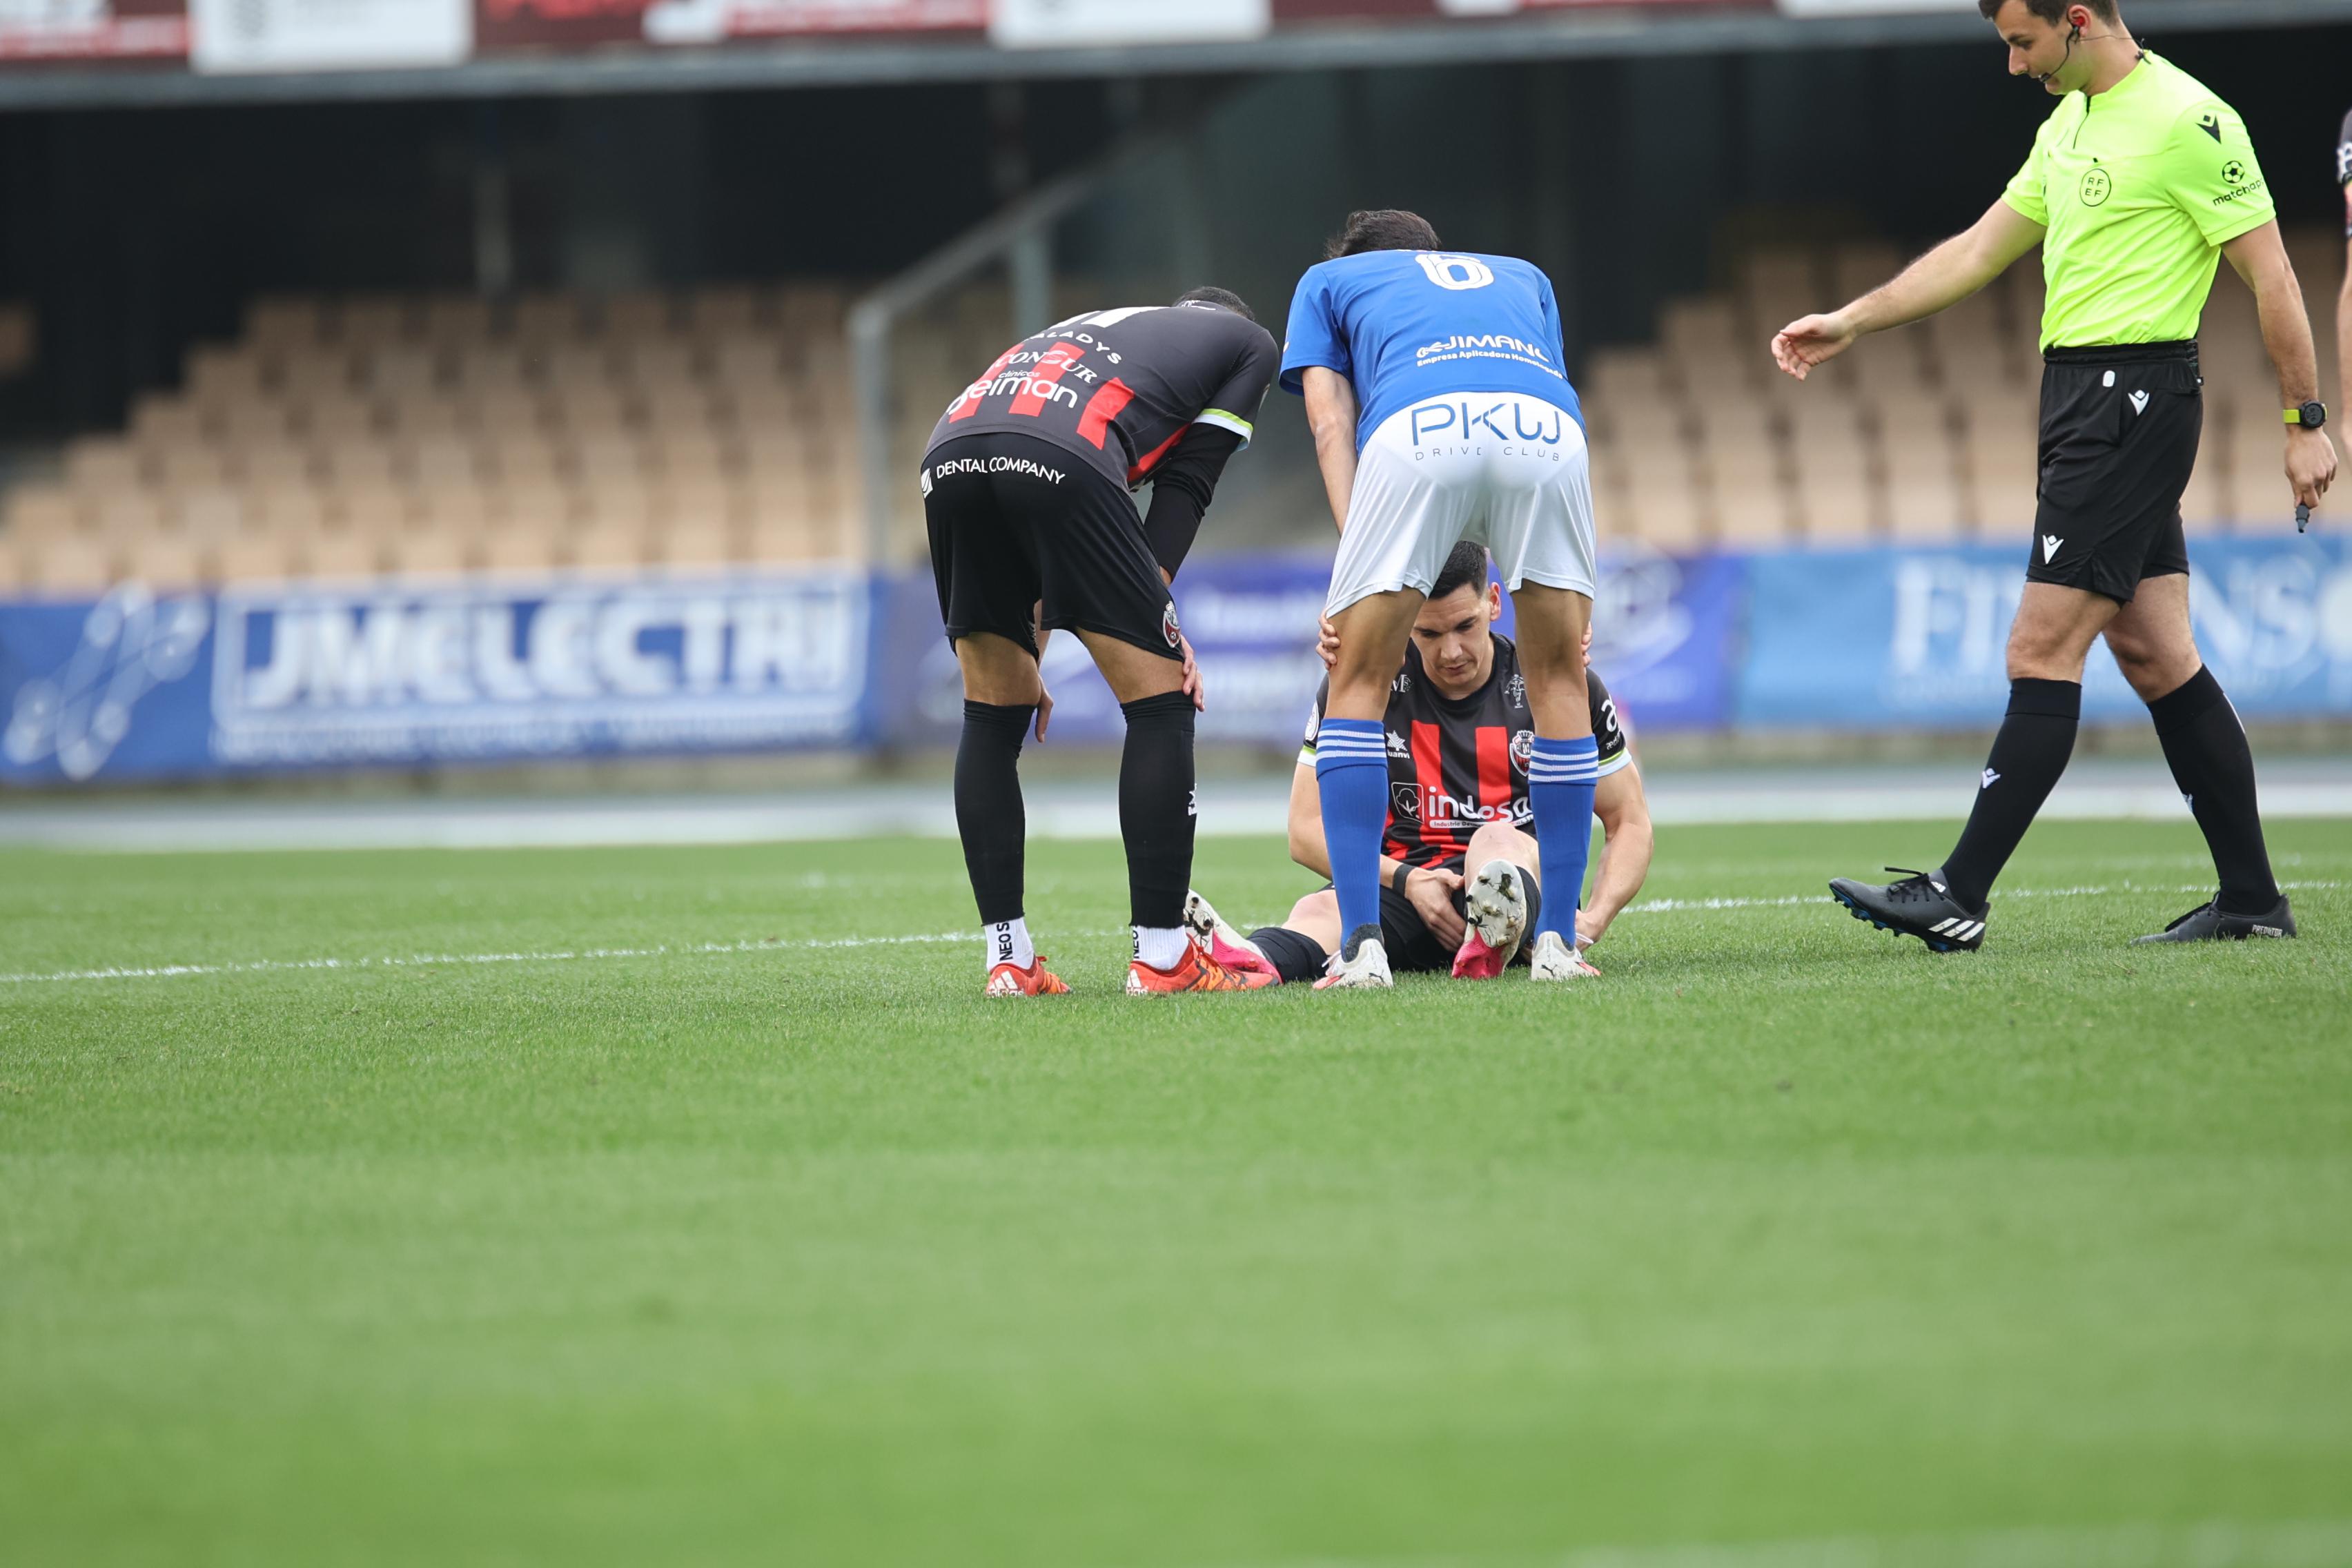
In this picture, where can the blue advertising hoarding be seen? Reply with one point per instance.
(1666, 627)
(419, 674)
(392, 673)
(1906, 638)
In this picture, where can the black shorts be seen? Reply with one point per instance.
(1015, 521)
(2119, 433)
(1412, 949)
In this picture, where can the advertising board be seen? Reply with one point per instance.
(412, 674)
(404, 674)
(1896, 638)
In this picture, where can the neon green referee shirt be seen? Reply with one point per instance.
(2138, 189)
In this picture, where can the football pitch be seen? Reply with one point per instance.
(689, 1206)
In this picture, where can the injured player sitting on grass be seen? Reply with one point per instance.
(1461, 877)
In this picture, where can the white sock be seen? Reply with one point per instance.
(1162, 947)
(1008, 943)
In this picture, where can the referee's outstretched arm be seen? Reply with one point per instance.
(1937, 281)
(2260, 258)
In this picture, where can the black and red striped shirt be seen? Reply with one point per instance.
(1121, 388)
(1454, 766)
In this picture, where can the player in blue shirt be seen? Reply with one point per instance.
(1441, 413)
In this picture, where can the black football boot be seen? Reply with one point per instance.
(1919, 905)
(2208, 922)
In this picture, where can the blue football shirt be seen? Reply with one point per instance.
(1405, 325)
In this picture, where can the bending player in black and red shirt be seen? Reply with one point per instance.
(1025, 491)
(1459, 735)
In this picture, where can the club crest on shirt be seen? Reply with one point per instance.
(1168, 627)
(1523, 747)
(1404, 802)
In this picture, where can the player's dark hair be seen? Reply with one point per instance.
(2053, 11)
(1222, 299)
(1383, 228)
(1466, 566)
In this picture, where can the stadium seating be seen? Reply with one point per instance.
(436, 435)
(440, 434)
(1922, 434)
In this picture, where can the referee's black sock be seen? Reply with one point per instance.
(2206, 746)
(1298, 959)
(2028, 755)
(989, 818)
(1155, 808)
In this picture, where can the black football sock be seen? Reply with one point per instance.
(989, 814)
(1298, 959)
(1155, 807)
(2206, 746)
(1535, 899)
(2028, 755)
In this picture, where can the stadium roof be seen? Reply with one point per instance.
(1564, 35)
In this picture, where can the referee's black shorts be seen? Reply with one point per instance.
(2119, 433)
(1014, 521)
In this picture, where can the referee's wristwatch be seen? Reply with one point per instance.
(2310, 417)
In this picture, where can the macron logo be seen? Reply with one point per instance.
(2050, 544)
(2139, 402)
(1990, 778)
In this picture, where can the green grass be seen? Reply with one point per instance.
(1783, 1232)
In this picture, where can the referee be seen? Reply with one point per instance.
(2138, 183)
(2343, 304)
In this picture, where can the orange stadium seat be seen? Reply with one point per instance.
(71, 565)
(167, 561)
(43, 511)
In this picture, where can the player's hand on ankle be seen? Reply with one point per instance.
(1431, 893)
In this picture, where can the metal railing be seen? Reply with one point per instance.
(1021, 235)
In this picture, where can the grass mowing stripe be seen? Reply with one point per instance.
(1796, 901)
(2216, 1543)
(426, 959)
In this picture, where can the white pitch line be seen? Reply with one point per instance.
(430, 960)
(1677, 906)
(576, 955)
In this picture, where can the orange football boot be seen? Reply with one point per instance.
(1012, 980)
(1196, 971)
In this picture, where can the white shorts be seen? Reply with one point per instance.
(1507, 471)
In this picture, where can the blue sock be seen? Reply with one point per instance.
(1560, 777)
(1351, 775)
